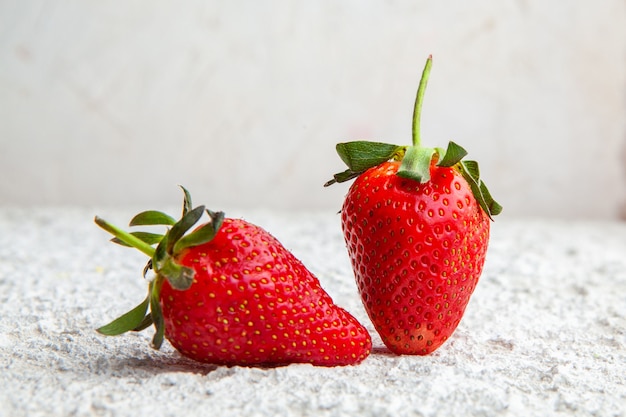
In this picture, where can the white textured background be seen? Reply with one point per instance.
(116, 102)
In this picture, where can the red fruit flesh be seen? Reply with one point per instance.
(417, 251)
(252, 302)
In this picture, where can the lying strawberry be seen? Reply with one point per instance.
(229, 293)
(416, 225)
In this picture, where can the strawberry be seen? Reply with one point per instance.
(229, 293)
(416, 225)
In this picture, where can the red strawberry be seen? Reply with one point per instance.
(229, 293)
(416, 224)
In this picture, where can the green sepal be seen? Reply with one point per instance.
(156, 313)
(452, 156)
(126, 322)
(187, 205)
(472, 170)
(416, 164)
(151, 218)
(149, 238)
(362, 155)
(180, 277)
(160, 255)
(340, 177)
(147, 268)
(217, 218)
(494, 207)
(182, 226)
(471, 173)
(145, 323)
(203, 235)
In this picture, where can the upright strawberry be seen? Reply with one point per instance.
(229, 293)
(416, 226)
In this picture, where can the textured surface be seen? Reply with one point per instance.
(544, 334)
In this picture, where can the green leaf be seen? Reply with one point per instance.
(494, 207)
(475, 187)
(472, 169)
(471, 173)
(147, 268)
(149, 238)
(156, 313)
(359, 156)
(145, 323)
(152, 217)
(126, 322)
(160, 255)
(416, 164)
(453, 155)
(180, 277)
(217, 218)
(204, 234)
(187, 206)
(344, 176)
(180, 228)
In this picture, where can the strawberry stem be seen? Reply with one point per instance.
(419, 99)
(416, 162)
(125, 237)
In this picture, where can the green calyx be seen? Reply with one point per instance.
(163, 250)
(416, 160)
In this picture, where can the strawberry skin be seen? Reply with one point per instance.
(417, 250)
(252, 302)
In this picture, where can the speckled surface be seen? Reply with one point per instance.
(544, 334)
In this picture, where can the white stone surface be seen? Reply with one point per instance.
(243, 101)
(544, 334)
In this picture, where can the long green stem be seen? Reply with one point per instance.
(125, 237)
(417, 111)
